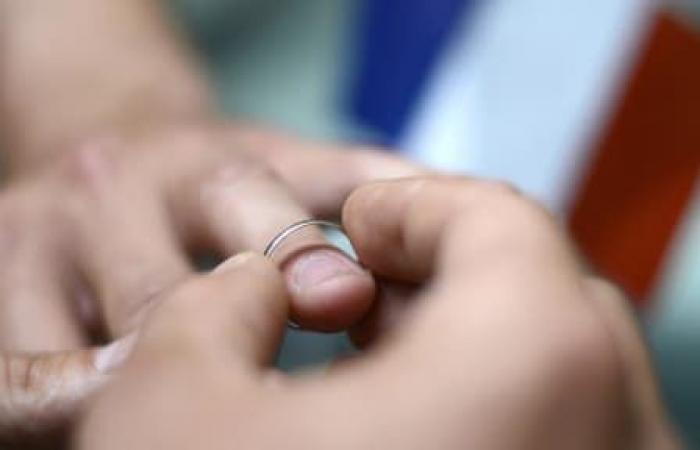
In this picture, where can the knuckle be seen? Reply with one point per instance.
(232, 180)
(235, 174)
(89, 179)
(246, 169)
(91, 164)
(18, 375)
(39, 387)
(82, 180)
(22, 377)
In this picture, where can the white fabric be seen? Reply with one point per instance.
(519, 95)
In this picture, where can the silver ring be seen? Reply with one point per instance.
(293, 228)
(290, 230)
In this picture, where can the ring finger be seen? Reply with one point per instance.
(243, 207)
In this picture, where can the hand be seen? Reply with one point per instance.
(88, 243)
(506, 344)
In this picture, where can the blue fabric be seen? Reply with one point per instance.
(399, 42)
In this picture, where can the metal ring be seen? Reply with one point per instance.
(290, 230)
(293, 228)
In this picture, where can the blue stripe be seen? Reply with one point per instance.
(400, 41)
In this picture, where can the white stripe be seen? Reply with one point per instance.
(520, 96)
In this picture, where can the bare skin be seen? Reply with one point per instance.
(505, 343)
(119, 170)
(113, 145)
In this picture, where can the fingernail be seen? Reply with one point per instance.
(234, 262)
(114, 355)
(319, 266)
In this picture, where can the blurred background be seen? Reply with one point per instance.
(591, 106)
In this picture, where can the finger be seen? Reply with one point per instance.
(40, 392)
(652, 421)
(493, 257)
(322, 174)
(449, 224)
(203, 351)
(244, 208)
(400, 243)
(236, 315)
(35, 314)
(504, 302)
(127, 249)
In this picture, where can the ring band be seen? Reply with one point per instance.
(290, 230)
(293, 228)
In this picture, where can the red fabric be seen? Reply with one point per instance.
(644, 172)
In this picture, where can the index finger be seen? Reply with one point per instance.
(503, 293)
(459, 229)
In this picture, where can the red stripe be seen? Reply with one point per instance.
(643, 175)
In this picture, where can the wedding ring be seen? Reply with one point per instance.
(293, 228)
(288, 231)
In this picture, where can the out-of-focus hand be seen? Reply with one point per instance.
(87, 243)
(503, 343)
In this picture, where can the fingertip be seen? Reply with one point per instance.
(381, 200)
(361, 199)
(329, 291)
(334, 305)
(233, 262)
(361, 207)
(242, 303)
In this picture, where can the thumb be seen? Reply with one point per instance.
(237, 314)
(41, 392)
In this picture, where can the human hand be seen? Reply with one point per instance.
(505, 343)
(88, 243)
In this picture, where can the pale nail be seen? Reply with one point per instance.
(320, 266)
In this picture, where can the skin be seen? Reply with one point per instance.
(119, 171)
(112, 146)
(504, 342)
